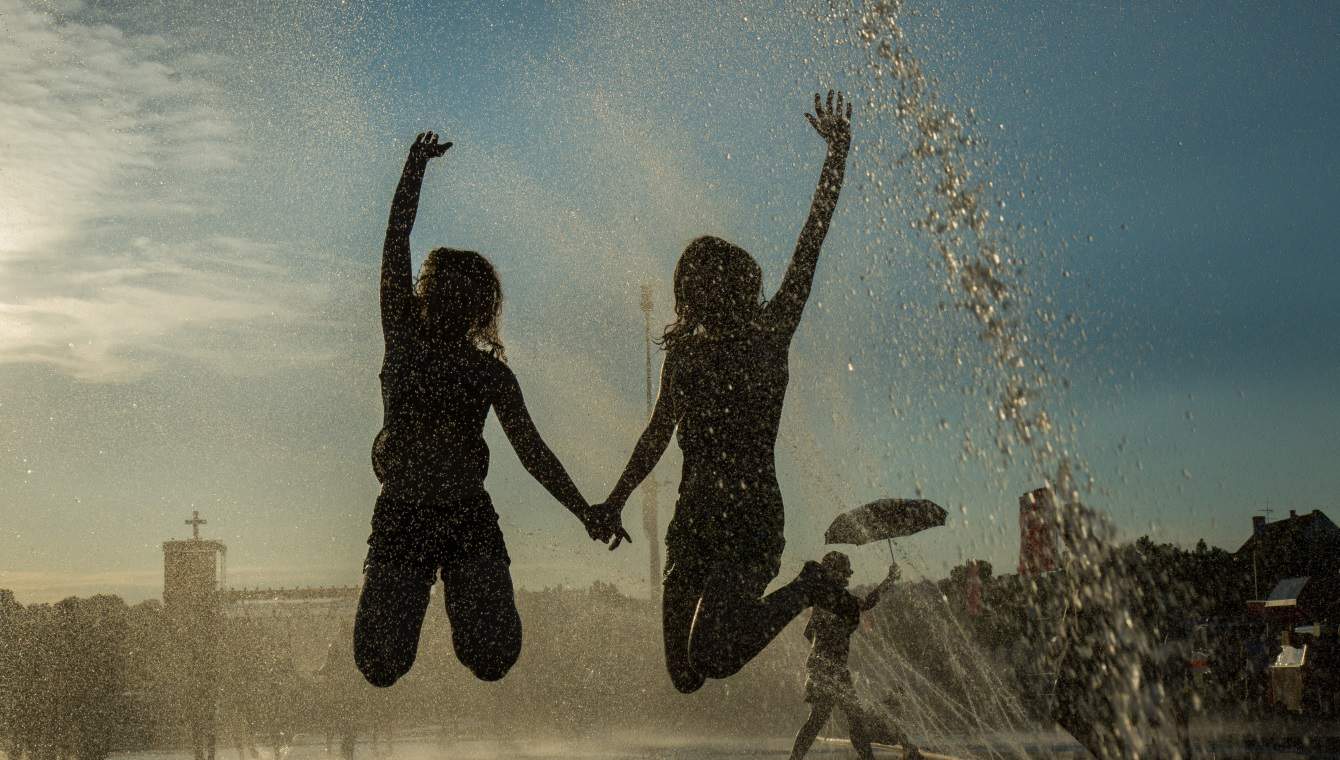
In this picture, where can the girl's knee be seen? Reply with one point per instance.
(712, 644)
(712, 660)
(492, 670)
(378, 676)
(489, 654)
(382, 656)
(686, 680)
(382, 669)
(490, 663)
(687, 683)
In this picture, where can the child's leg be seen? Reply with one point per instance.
(485, 626)
(819, 712)
(858, 726)
(390, 614)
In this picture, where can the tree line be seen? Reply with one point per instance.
(87, 676)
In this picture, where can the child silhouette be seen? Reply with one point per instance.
(722, 388)
(443, 371)
(828, 682)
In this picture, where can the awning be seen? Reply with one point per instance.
(1286, 592)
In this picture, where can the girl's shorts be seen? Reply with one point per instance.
(741, 539)
(434, 534)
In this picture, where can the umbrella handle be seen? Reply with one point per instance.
(891, 557)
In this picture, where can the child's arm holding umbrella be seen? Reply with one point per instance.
(872, 598)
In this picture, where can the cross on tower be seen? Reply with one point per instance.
(195, 522)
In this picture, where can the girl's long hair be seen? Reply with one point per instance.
(716, 283)
(462, 298)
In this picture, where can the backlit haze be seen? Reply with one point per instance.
(192, 203)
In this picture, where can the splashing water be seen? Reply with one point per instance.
(952, 710)
(1109, 674)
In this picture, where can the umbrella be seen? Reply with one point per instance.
(884, 519)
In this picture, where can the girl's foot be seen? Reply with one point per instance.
(821, 590)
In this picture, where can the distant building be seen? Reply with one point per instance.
(1300, 600)
(201, 610)
(1298, 546)
(192, 575)
(1037, 535)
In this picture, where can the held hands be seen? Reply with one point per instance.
(427, 147)
(832, 121)
(611, 515)
(604, 523)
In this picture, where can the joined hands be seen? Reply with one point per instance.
(604, 523)
(609, 517)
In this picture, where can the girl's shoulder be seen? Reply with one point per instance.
(473, 362)
(704, 344)
(489, 364)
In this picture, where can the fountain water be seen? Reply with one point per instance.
(1109, 689)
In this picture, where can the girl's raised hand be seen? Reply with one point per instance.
(426, 146)
(832, 121)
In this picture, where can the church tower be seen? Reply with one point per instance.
(193, 572)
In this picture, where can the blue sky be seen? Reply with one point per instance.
(195, 201)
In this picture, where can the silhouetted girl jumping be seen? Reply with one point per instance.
(722, 387)
(442, 372)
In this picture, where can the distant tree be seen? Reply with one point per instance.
(11, 613)
(37, 724)
(63, 676)
(147, 674)
(89, 675)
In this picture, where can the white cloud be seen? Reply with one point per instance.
(89, 117)
(106, 134)
(109, 317)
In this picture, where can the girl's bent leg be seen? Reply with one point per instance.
(733, 624)
(390, 614)
(679, 602)
(485, 626)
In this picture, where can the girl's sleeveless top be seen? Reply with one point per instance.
(728, 394)
(435, 399)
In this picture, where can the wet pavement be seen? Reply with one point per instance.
(1281, 738)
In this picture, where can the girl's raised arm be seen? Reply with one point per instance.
(833, 123)
(397, 287)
